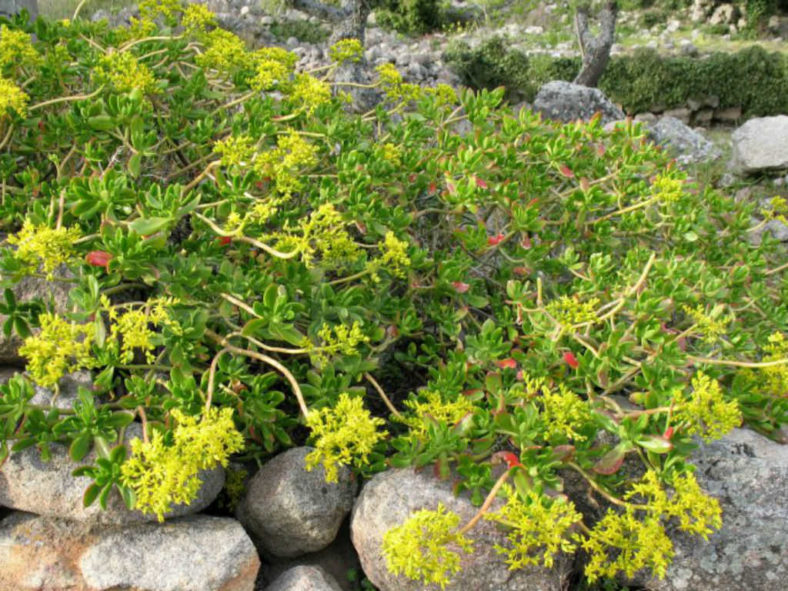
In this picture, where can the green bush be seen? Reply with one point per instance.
(251, 267)
(410, 16)
(752, 78)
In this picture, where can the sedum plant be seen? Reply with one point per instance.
(436, 282)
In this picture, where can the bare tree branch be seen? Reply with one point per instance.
(595, 50)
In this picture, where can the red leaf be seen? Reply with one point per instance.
(668, 433)
(611, 462)
(224, 240)
(510, 458)
(98, 258)
(460, 287)
(571, 360)
(432, 188)
(566, 171)
(506, 363)
(495, 240)
(480, 183)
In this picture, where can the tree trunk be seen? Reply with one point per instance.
(13, 7)
(595, 49)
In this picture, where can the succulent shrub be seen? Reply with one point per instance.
(435, 282)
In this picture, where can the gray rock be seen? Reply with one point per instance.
(688, 145)
(197, 553)
(567, 102)
(749, 475)
(390, 497)
(682, 114)
(52, 293)
(290, 511)
(304, 578)
(729, 115)
(761, 144)
(49, 489)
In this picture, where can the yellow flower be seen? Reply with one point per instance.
(274, 66)
(435, 409)
(197, 18)
(705, 412)
(12, 97)
(711, 325)
(125, 73)
(394, 257)
(569, 311)
(132, 329)
(667, 189)
(344, 435)
(16, 49)
(284, 163)
(59, 348)
(163, 475)
(40, 245)
(537, 528)
(224, 52)
(235, 150)
(564, 412)
(341, 338)
(167, 9)
(419, 548)
(346, 50)
(620, 542)
(310, 92)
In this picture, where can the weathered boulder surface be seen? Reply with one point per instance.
(685, 143)
(197, 553)
(54, 293)
(289, 511)
(748, 473)
(564, 101)
(761, 145)
(48, 488)
(390, 497)
(304, 578)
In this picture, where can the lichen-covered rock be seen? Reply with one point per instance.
(48, 488)
(564, 101)
(749, 475)
(304, 578)
(197, 553)
(761, 144)
(390, 497)
(290, 511)
(685, 143)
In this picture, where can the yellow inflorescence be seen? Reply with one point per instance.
(346, 50)
(309, 92)
(225, 52)
(435, 409)
(620, 542)
(667, 189)
(125, 73)
(419, 548)
(570, 311)
(59, 348)
(711, 325)
(40, 245)
(16, 49)
(163, 475)
(197, 18)
(132, 328)
(705, 412)
(12, 97)
(564, 411)
(167, 9)
(538, 528)
(341, 338)
(393, 258)
(235, 150)
(284, 163)
(273, 68)
(343, 435)
(322, 235)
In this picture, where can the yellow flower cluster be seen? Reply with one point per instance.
(620, 542)
(705, 412)
(16, 49)
(224, 52)
(569, 311)
(197, 18)
(235, 150)
(419, 548)
(346, 50)
(124, 73)
(775, 378)
(667, 189)
(697, 512)
(12, 97)
(167, 9)
(712, 325)
(391, 153)
(162, 475)
(284, 163)
(343, 435)
(323, 235)
(340, 339)
(538, 528)
(393, 86)
(435, 409)
(59, 348)
(309, 92)
(132, 328)
(394, 257)
(40, 245)
(564, 412)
